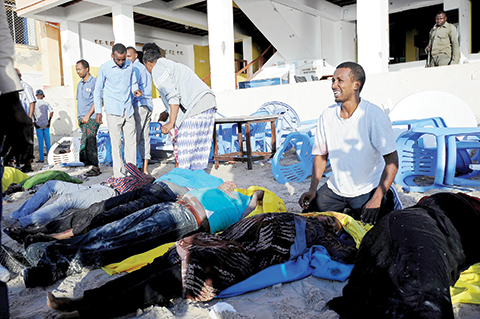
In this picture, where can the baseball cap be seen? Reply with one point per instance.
(39, 92)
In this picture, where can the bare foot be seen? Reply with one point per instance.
(61, 304)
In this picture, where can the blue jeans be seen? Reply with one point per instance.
(72, 196)
(43, 136)
(137, 233)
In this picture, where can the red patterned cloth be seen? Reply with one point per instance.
(136, 179)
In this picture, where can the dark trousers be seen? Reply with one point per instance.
(136, 233)
(153, 284)
(88, 144)
(327, 200)
(107, 211)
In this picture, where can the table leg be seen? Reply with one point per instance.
(240, 138)
(249, 146)
(215, 146)
(274, 138)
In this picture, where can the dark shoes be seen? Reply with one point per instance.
(93, 172)
(39, 161)
(26, 169)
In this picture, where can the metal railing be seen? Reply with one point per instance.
(22, 29)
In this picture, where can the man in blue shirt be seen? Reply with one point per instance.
(86, 118)
(118, 82)
(142, 107)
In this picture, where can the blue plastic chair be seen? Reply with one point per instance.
(158, 140)
(441, 161)
(299, 171)
(414, 160)
(463, 156)
(284, 125)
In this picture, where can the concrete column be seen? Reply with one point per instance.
(123, 27)
(464, 24)
(372, 32)
(247, 50)
(220, 41)
(71, 49)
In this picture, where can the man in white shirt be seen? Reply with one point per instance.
(357, 137)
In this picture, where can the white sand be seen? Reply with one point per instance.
(301, 299)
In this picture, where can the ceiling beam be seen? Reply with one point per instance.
(178, 4)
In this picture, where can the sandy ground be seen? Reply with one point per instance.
(301, 299)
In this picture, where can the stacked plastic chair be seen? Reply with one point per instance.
(72, 155)
(448, 161)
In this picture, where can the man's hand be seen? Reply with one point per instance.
(99, 118)
(369, 213)
(167, 127)
(85, 119)
(427, 49)
(138, 93)
(163, 116)
(15, 125)
(307, 198)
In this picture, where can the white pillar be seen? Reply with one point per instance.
(123, 27)
(464, 24)
(71, 49)
(372, 33)
(247, 50)
(220, 41)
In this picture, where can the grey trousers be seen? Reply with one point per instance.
(143, 116)
(118, 126)
(440, 59)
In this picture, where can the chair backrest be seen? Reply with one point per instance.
(299, 171)
(414, 161)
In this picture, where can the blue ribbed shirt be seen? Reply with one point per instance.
(118, 85)
(144, 79)
(85, 91)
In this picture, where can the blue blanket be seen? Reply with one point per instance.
(316, 262)
(191, 179)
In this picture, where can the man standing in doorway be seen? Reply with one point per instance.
(443, 48)
(118, 82)
(142, 107)
(87, 118)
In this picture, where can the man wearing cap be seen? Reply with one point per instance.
(87, 118)
(42, 117)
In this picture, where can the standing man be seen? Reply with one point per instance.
(28, 100)
(358, 138)
(442, 46)
(142, 107)
(87, 118)
(191, 110)
(15, 125)
(43, 117)
(117, 80)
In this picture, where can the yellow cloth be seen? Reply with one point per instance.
(12, 175)
(352, 226)
(137, 261)
(467, 287)
(270, 203)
